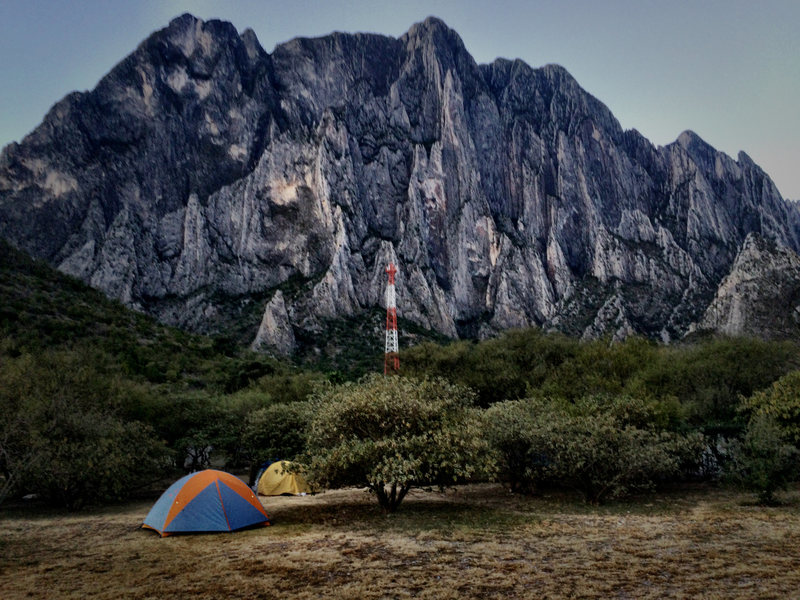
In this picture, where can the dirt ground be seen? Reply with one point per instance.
(473, 542)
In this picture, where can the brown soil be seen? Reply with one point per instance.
(474, 542)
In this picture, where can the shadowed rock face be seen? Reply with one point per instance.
(203, 171)
(761, 294)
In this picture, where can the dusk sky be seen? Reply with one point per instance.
(728, 70)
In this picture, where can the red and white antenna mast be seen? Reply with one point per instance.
(391, 362)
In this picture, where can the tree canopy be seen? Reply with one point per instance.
(391, 434)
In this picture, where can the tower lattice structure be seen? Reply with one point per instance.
(391, 362)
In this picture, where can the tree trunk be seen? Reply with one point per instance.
(390, 499)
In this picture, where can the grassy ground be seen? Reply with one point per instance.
(473, 542)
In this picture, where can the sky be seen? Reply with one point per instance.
(728, 70)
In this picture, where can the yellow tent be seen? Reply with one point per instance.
(277, 480)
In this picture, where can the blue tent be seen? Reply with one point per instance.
(206, 501)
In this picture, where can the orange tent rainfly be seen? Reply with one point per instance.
(206, 501)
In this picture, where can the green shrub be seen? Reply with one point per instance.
(599, 367)
(276, 432)
(518, 431)
(781, 401)
(710, 377)
(196, 426)
(603, 458)
(233, 414)
(394, 433)
(87, 458)
(762, 460)
(702, 382)
(290, 386)
(603, 446)
(63, 435)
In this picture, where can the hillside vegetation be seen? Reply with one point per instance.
(101, 401)
(90, 387)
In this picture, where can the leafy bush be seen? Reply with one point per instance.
(394, 433)
(62, 436)
(781, 401)
(86, 458)
(603, 446)
(16, 450)
(485, 368)
(234, 411)
(603, 458)
(762, 460)
(710, 377)
(519, 432)
(276, 432)
(599, 367)
(290, 386)
(706, 378)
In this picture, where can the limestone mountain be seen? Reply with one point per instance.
(761, 294)
(219, 187)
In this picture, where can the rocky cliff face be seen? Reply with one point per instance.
(761, 294)
(212, 184)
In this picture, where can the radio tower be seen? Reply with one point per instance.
(391, 361)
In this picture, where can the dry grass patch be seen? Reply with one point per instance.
(475, 542)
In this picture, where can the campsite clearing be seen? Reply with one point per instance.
(473, 542)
